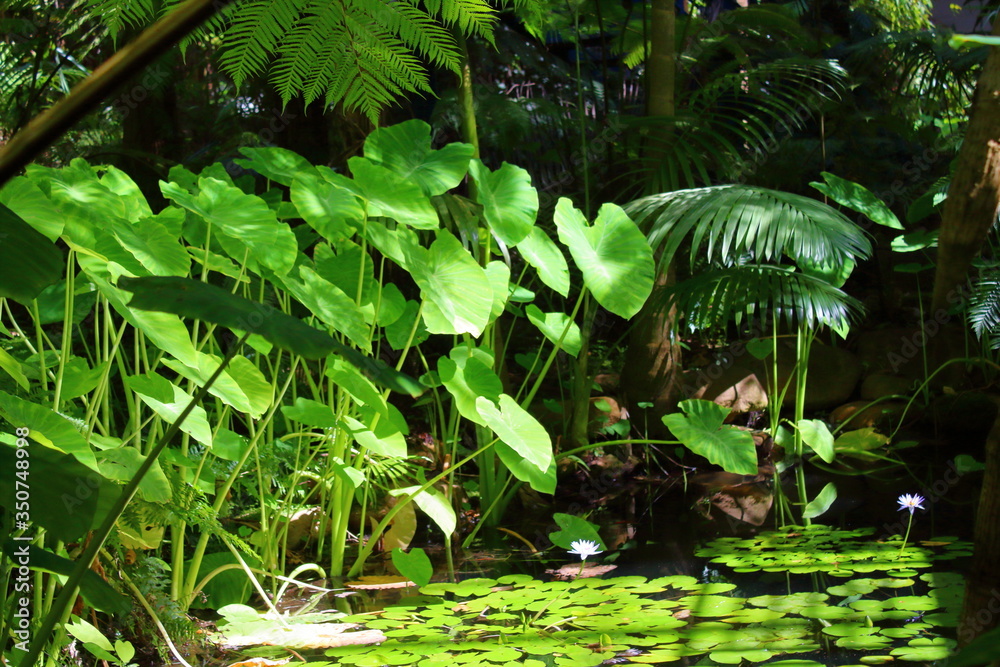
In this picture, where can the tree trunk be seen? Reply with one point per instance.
(971, 208)
(981, 611)
(652, 361)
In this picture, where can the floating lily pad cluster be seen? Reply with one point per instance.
(517, 620)
(840, 553)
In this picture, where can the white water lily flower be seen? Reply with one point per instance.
(585, 548)
(910, 502)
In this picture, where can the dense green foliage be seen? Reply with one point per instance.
(261, 318)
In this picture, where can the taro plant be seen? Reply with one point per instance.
(301, 417)
(772, 255)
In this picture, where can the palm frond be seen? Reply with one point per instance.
(735, 220)
(984, 308)
(739, 108)
(714, 298)
(922, 66)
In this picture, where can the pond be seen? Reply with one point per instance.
(683, 584)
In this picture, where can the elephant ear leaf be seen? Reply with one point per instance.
(701, 429)
(30, 262)
(198, 300)
(613, 256)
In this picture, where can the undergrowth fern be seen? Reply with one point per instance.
(364, 54)
(984, 308)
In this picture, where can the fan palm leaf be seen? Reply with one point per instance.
(740, 220)
(740, 111)
(714, 298)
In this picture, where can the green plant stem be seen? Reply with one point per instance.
(199, 551)
(581, 378)
(803, 345)
(99, 536)
(906, 537)
(66, 349)
(366, 551)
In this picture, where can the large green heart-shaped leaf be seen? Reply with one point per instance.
(701, 430)
(245, 220)
(29, 203)
(415, 565)
(84, 204)
(557, 327)
(384, 439)
(329, 209)
(573, 528)
(395, 197)
(457, 294)
(277, 164)
(13, 368)
(543, 481)
(360, 388)
(518, 429)
(198, 300)
(28, 261)
(330, 305)
(542, 253)
(155, 248)
(468, 376)
(122, 463)
(351, 269)
(613, 255)
(405, 149)
(311, 413)
(227, 387)
(510, 203)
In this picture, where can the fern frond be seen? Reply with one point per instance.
(256, 29)
(473, 17)
(984, 308)
(116, 14)
(417, 30)
(362, 53)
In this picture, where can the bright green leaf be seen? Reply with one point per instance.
(701, 430)
(518, 429)
(857, 198)
(613, 255)
(510, 203)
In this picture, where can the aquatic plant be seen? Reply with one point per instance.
(585, 549)
(909, 502)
